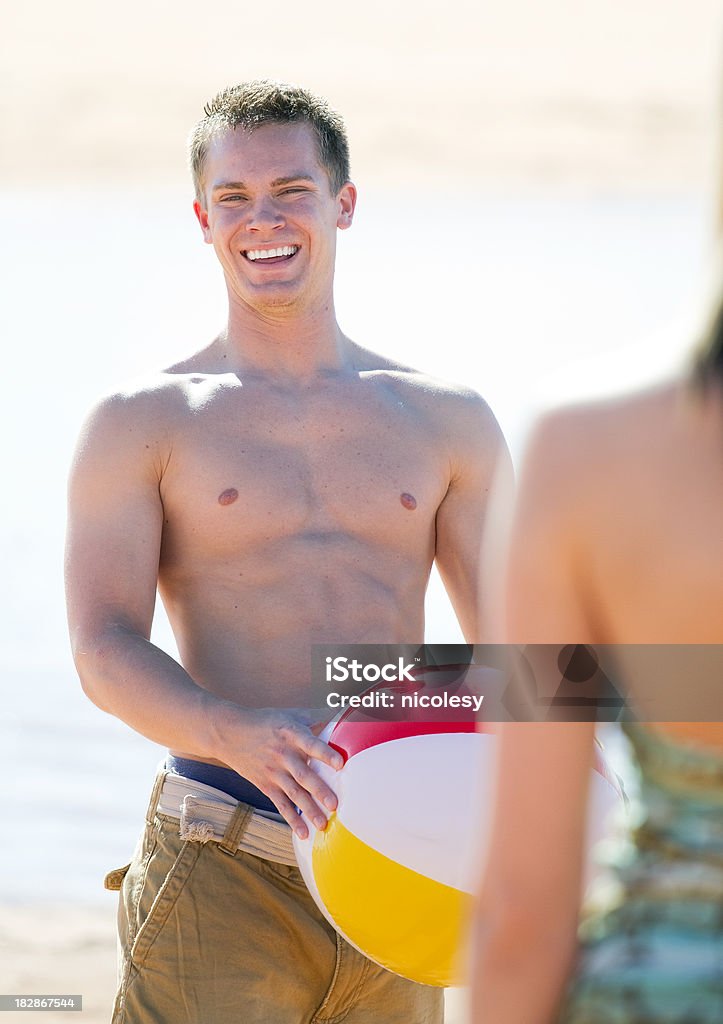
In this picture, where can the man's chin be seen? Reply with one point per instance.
(277, 304)
(272, 299)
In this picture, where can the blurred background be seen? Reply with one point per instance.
(537, 196)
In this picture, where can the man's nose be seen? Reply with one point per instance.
(264, 213)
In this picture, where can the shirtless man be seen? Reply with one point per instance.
(281, 487)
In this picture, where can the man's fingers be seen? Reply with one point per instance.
(301, 797)
(316, 748)
(313, 784)
(288, 812)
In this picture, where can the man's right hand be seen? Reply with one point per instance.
(272, 749)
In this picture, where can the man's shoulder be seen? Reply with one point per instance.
(453, 418)
(153, 391)
(162, 388)
(146, 404)
(440, 395)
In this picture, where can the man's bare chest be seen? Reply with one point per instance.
(248, 470)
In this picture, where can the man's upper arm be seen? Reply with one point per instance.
(479, 455)
(115, 518)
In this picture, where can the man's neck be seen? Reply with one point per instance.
(285, 343)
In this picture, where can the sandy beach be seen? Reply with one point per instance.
(588, 97)
(59, 949)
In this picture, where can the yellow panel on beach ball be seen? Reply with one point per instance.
(374, 888)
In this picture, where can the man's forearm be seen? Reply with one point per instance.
(129, 677)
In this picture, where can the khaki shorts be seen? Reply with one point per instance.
(214, 936)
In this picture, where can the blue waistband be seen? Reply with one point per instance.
(225, 779)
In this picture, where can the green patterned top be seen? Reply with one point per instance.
(652, 934)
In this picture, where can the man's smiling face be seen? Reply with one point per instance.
(269, 212)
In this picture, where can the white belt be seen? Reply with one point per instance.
(208, 814)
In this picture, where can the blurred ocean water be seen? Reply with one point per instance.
(531, 300)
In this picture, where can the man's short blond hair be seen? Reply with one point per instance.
(252, 104)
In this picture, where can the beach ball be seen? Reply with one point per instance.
(395, 869)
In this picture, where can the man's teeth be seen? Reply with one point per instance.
(267, 254)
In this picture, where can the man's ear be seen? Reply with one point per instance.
(347, 203)
(202, 218)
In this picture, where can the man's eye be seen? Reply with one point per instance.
(231, 198)
(288, 191)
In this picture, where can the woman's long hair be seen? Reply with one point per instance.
(708, 359)
(707, 363)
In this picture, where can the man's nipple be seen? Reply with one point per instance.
(408, 501)
(228, 497)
